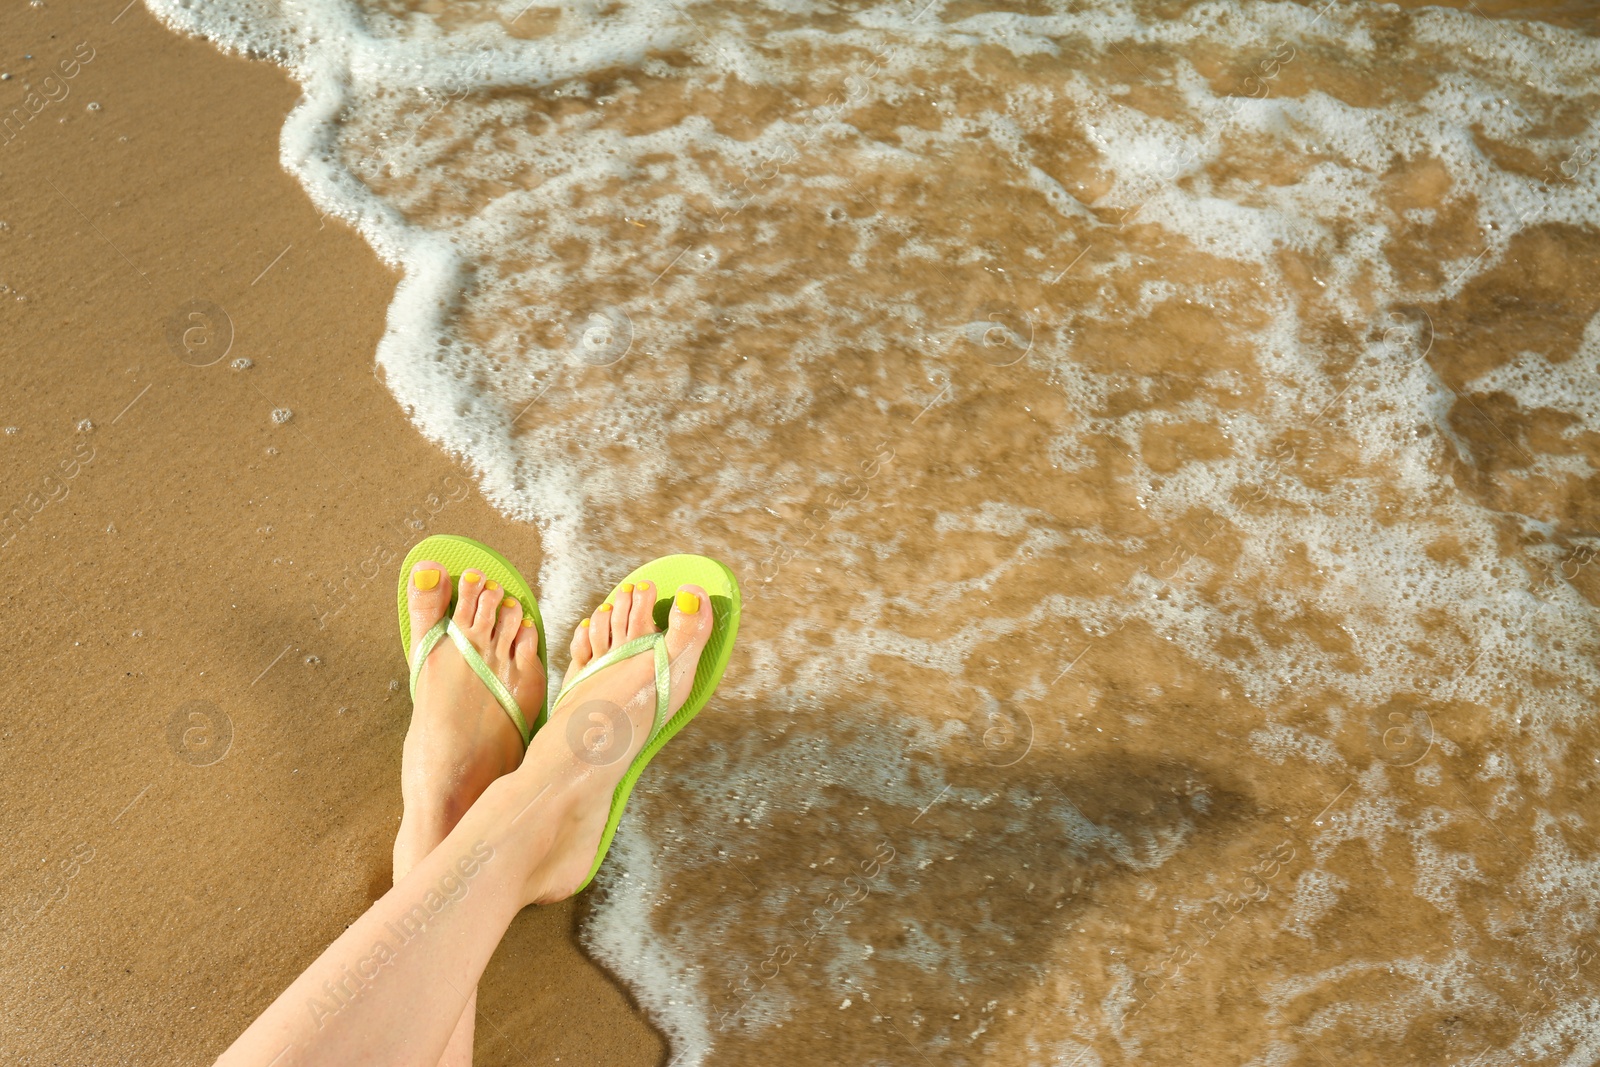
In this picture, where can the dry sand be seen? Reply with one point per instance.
(177, 558)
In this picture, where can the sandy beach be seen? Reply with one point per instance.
(1251, 565)
(172, 551)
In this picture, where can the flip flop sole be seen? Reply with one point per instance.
(457, 554)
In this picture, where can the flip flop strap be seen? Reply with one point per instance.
(663, 664)
(496, 687)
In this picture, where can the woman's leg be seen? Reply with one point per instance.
(391, 990)
(460, 739)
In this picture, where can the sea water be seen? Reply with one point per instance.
(1158, 444)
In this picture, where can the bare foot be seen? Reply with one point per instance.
(597, 728)
(460, 738)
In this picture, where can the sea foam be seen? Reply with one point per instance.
(1076, 395)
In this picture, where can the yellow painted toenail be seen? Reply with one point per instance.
(688, 603)
(529, 622)
(470, 577)
(605, 607)
(425, 580)
(627, 587)
(491, 585)
(509, 602)
(584, 625)
(642, 587)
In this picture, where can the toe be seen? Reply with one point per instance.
(471, 584)
(427, 597)
(690, 622)
(641, 619)
(582, 653)
(622, 605)
(507, 624)
(483, 620)
(689, 627)
(600, 629)
(525, 647)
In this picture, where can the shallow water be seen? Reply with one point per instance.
(1158, 444)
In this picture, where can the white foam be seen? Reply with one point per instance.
(429, 137)
(620, 937)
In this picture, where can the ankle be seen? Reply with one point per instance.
(522, 812)
(420, 833)
(549, 814)
(431, 809)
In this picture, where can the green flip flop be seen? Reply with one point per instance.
(459, 554)
(667, 574)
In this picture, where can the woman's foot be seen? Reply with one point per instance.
(599, 727)
(460, 739)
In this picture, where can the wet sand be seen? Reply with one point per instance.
(200, 741)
